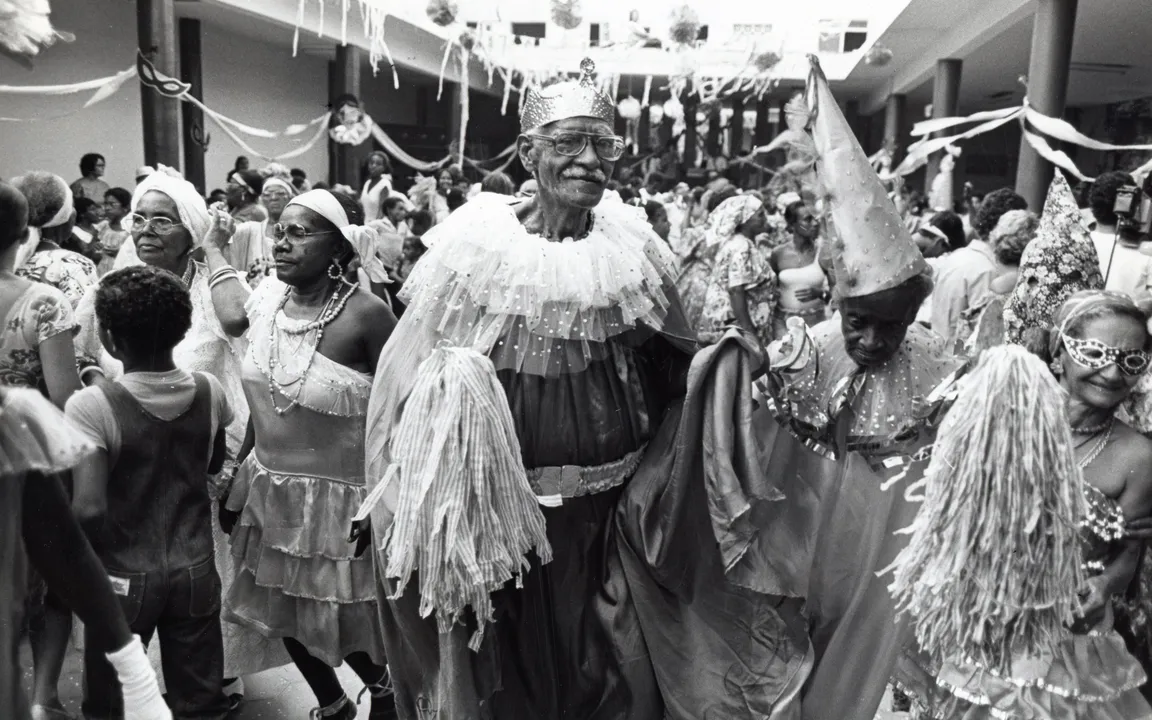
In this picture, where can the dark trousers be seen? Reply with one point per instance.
(183, 608)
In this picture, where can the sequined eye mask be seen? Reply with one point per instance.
(1095, 355)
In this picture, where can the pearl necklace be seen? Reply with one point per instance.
(328, 313)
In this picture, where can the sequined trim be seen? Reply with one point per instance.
(571, 481)
(1036, 685)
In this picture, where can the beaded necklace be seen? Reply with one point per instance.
(304, 342)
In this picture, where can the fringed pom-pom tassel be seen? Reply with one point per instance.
(466, 517)
(994, 561)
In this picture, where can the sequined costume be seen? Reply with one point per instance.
(1088, 674)
(295, 575)
(588, 345)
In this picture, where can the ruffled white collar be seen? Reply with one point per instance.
(485, 270)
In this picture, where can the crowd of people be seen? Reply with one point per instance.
(584, 447)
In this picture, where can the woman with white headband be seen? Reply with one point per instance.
(314, 338)
(251, 247)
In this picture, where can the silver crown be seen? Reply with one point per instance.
(574, 98)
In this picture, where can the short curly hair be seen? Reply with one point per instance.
(1102, 196)
(146, 310)
(46, 194)
(995, 204)
(1012, 234)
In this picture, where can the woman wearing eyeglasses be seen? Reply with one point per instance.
(315, 334)
(251, 248)
(173, 230)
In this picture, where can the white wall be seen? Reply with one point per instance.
(105, 44)
(261, 85)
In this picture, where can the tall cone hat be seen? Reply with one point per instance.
(872, 250)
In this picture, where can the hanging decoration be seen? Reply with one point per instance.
(674, 109)
(442, 12)
(1034, 126)
(567, 13)
(25, 30)
(373, 16)
(629, 108)
(749, 119)
(878, 56)
(656, 114)
(767, 60)
(353, 126)
(149, 76)
(684, 29)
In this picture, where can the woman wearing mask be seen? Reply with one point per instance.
(803, 286)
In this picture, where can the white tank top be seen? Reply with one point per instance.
(792, 279)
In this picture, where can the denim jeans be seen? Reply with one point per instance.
(182, 607)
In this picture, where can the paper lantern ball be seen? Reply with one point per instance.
(467, 40)
(765, 61)
(442, 12)
(685, 26)
(567, 14)
(629, 108)
(878, 56)
(674, 110)
(655, 114)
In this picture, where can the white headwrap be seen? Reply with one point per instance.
(66, 210)
(268, 182)
(189, 203)
(362, 239)
(730, 215)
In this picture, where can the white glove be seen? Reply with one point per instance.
(142, 699)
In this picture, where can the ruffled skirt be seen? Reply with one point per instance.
(1087, 677)
(295, 575)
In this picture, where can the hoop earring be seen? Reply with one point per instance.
(335, 272)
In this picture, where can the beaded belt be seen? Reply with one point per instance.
(571, 481)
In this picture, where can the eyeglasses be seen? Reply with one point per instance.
(1095, 355)
(159, 225)
(571, 144)
(294, 231)
(275, 196)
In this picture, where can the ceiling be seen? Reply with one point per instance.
(1111, 53)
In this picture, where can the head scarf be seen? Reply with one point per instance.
(1081, 304)
(730, 215)
(280, 182)
(189, 203)
(1057, 264)
(783, 200)
(362, 239)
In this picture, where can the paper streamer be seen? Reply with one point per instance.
(1034, 126)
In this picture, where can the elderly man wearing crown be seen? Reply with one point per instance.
(541, 350)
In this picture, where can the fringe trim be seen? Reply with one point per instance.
(466, 517)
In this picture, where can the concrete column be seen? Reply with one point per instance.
(689, 103)
(736, 128)
(895, 112)
(945, 103)
(762, 135)
(713, 139)
(644, 131)
(195, 135)
(344, 79)
(156, 33)
(1048, 68)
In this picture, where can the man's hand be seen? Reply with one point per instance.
(361, 534)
